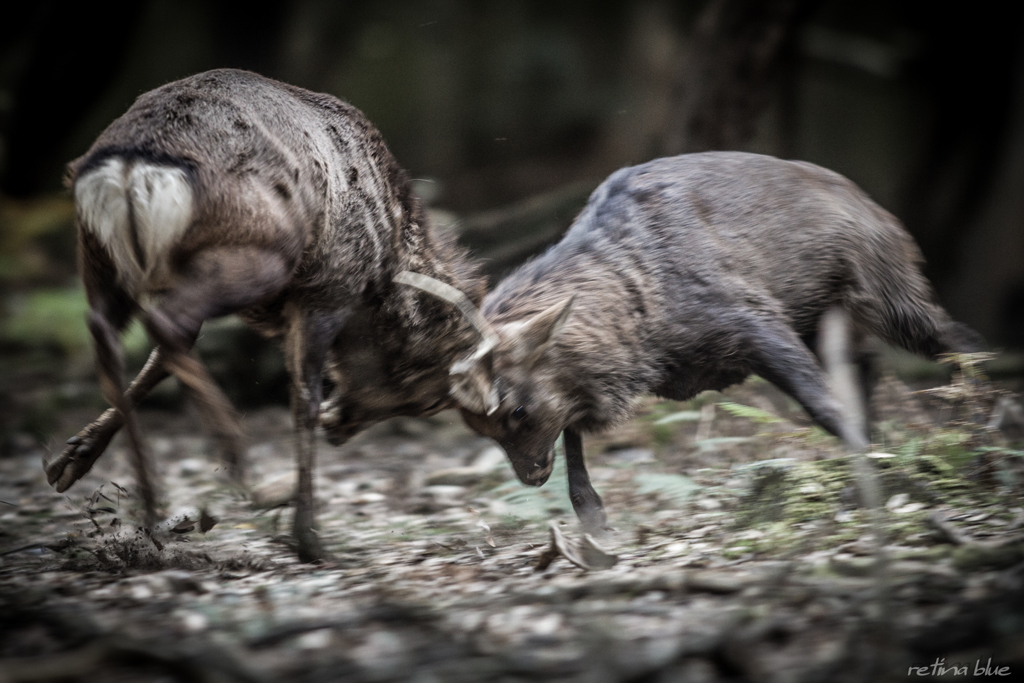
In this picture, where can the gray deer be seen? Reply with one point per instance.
(686, 274)
(228, 192)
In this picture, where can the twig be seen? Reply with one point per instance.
(948, 532)
(30, 546)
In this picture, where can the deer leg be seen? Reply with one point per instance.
(779, 356)
(214, 282)
(110, 362)
(85, 448)
(111, 307)
(585, 501)
(307, 345)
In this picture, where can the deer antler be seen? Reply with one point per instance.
(458, 299)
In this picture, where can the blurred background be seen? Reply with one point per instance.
(508, 113)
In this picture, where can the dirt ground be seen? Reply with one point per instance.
(740, 553)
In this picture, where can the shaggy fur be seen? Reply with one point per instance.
(286, 207)
(690, 273)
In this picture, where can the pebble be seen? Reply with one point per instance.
(896, 501)
(190, 467)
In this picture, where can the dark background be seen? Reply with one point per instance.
(509, 112)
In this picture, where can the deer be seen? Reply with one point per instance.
(687, 274)
(231, 193)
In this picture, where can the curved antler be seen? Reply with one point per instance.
(455, 297)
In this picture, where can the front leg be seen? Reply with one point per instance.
(85, 448)
(585, 501)
(307, 344)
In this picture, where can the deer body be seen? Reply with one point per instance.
(686, 274)
(228, 192)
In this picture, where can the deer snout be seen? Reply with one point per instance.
(533, 470)
(336, 429)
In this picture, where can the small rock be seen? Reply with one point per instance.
(140, 591)
(190, 467)
(369, 497)
(676, 549)
(193, 621)
(812, 489)
(909, 507)
(548, 625)
(896, 501)
(315, 640)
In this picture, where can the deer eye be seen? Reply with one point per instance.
(519, 413)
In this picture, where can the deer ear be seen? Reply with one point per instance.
(472, 383)
(536, 336)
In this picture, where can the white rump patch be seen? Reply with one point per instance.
(161, 205)
(103, 210)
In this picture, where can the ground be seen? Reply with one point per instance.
(740, 552)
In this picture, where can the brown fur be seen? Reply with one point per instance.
(300, 219)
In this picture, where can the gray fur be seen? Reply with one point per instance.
(690, 273)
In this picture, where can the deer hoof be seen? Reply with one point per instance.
(75, 460)
(592, 519)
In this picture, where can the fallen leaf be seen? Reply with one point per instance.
(587, 554)
(183, 527)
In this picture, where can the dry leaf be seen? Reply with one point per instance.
(587, 554)
(183, 527)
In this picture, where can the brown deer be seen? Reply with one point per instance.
(228, 192)
(685, 274)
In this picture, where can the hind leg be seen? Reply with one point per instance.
(109, 300)
(777, 354)
(839, 343)
(111, 307)
(85, 448)
(213, 283)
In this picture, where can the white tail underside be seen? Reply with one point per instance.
(160, 200)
